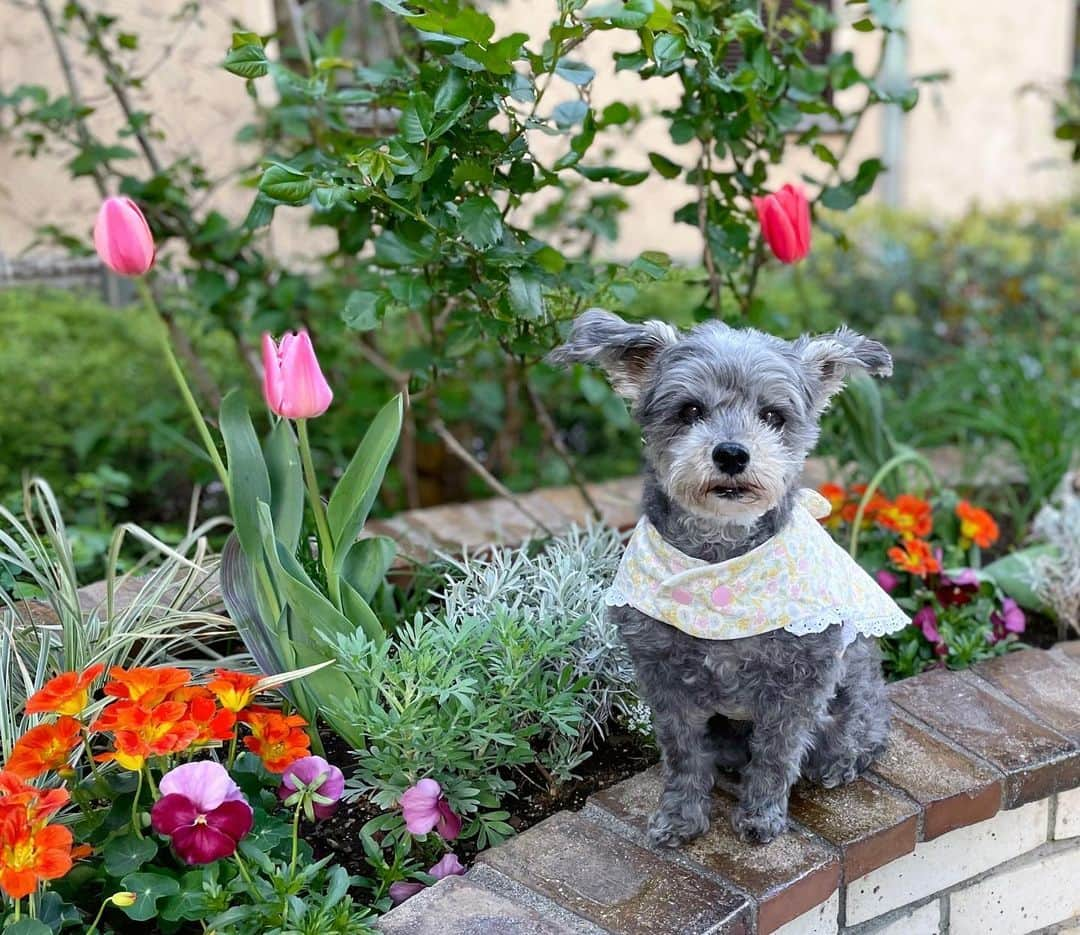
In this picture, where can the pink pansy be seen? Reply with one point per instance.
(315, 782)
(1010, 619)
(203, 811)
(926, 620)
(122, 237)
(293, 383)
(449, 866)
(887, 580)
(424, 807)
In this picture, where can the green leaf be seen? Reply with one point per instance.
(480, 222)
(362, 309)
(310, 606)
(366, 564)
(468, 24)
(577, 73)
(285, 184)
(863, 25)
(354, 494)
(360, 613)
(247, 61)
(148, 889)
(249, 481)
(27, 927)
(569, 113)
(126, 854)
(663, 165)
(396, 248)
(452, 91)
(1016, 574)
(286, 484)
(633, 14)
(418, 117)
(613, 174)
(526, 296)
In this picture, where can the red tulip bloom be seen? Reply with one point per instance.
(293, 383)
(203, 811)
(122, 237)
(785, 223)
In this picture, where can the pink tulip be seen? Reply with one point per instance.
(424, 807)
(203, 811)
(785, 223)
(122, 237)
(293, 384)
(449, 866)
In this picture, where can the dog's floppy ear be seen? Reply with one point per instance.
(831, 358)
(624, 351)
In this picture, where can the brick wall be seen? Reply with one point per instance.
(968, 825)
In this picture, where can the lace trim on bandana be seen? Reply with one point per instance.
(845, 617)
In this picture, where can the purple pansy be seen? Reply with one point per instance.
(887, 580)
(957, 589)
(202, 811)
(319, 785)
(1010, 619)
(449, 866)
(926, 621)
(425, 807)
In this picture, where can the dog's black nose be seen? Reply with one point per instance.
(731, 457)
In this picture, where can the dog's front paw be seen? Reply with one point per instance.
(759, 826)
(841, 771)
(670, 829)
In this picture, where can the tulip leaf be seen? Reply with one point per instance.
(354, 494)
(360, 613)
(366, 564)
(248, 480)
(286, 484)
(250, 610)
(305, 601)
(126, 854)
(148, 889)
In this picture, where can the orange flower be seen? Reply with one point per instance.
(834, 493)
(29, 854)
(212, 722)
(140, 732)
(976, 525)
(911, 517)
(276, 738)
(43, 748)
(873, 506)
(38, 804)
(68, 693)
(148, 686)
(235, 690)
(915, 557)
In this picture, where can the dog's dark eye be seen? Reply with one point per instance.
(690, 412)
(773, 418)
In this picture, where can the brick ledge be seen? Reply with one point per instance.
(983, 765)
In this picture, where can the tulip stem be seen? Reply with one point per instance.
(181, 382)
(326, 545)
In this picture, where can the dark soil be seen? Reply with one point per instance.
(619, 757)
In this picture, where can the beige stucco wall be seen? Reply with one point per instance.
(975, 139)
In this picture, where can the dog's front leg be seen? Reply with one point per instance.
(783, 729)
(689, 772)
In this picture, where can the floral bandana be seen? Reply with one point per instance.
(800, 580)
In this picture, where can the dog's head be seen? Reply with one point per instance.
(728, 415)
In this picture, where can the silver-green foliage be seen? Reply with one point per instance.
(561, 584)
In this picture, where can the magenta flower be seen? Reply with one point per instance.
(957, 589)
(293, 383)
(785, 223)
(887, 580)
(122, 237)
(203, 811)
(316, 784)
(449, 866)
(425, 807)
(1010, 619)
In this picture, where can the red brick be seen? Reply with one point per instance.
(1043, 684)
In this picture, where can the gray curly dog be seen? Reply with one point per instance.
(728, 417)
